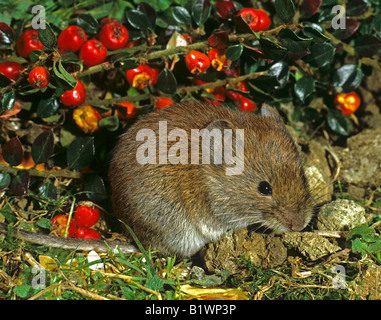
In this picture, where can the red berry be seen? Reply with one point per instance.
(163, 102)
(264, 20)
(92, 52)
(127, 110)
(75, 97)
(87, 233)
(39, 77)
(246, 105)
(27, 42)
(142, 76)
(348, 103)
(251, 16)
(218, 59)
(72, 38)
(85, 216)
(197, 62)
(59, 224)
(114, 35)
(11, 69)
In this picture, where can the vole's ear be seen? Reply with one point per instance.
(268, 111)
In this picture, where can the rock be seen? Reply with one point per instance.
(340, 215)
(361, 161)
(225, 254)
(309, 244)
(318, 172)
(367, 283)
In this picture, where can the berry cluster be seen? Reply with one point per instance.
(79, 227)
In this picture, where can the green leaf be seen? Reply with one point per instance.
(272, 50)
(321, 54)
(47, 107)
(80, 153)
(5, 180)
(318, 36)
(138, 19)
(8, 101)
(166, 81)
(374, 247)
(66, 75)
(234, 52)
(201, 10)
(281, 71)
(367, 45)
(48, 191)
(304, 87)
(359, 247)
(110, 123)
(23, 291)
(13, 152)
(347, 78)
(181, 15)
(42, 147)
(87, 23)
(95, 188)
(149, 12)
(361, 231)
(47, 37)
(285, 9)
(337, 122)
(8, 213)
(293, 42)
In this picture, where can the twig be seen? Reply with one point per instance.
(44, 174)
(108, 102)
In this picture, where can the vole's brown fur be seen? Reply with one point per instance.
(177, 208)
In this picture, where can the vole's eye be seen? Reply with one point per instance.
(265, 189)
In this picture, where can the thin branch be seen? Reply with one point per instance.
(44, 174)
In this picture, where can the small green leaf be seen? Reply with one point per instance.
(234, 52)
(47, 36)
(359, 247)
(5, 180)
(321, 54)
(337, 122)
(361, 231)
(201, 10)
(137, 19)
(87, 23)
(318, 36)
(272, 50)
(66, 75)
(42, 147)
(285, 9)
(181, 15)
(166, 81)
(110, 123)
(293, 42)
(48, 191)
(47, 107)
(304, 87)
(95, 188)
(347, 78)
(23, 291)
(8, 101)
(80, 153)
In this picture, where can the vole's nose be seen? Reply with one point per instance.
(293, 221)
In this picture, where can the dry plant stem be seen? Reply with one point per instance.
(129, 280)
(44, 174)
(180, 90)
